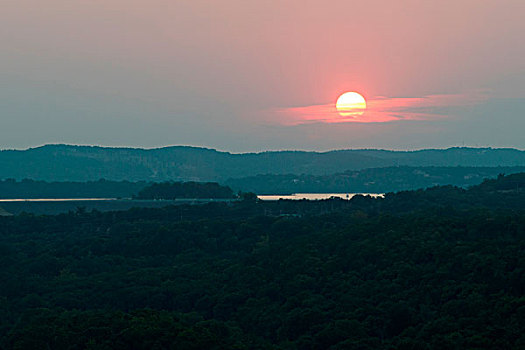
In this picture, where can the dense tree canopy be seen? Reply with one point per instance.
(437, 269)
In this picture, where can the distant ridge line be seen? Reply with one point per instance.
(64, 145)
(61, 162)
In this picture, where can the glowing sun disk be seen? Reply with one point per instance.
(350, 104)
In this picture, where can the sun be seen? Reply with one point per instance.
(351, 104)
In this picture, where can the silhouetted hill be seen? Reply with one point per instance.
(509, 183)
(177, 190)
(181, 163)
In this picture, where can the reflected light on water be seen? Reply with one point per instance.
(56, 199)
(315, 196)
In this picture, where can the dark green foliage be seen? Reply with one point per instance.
(175, 190)
(510, 183)
(141, 329)
(442, 268)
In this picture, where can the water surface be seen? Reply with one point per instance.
(315, 196)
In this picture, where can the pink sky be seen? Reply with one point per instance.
(207, 73)
(378, 110)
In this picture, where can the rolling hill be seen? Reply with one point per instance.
(182, 163)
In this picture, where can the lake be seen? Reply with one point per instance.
(56, 199)
(315, 196)
(52, 206)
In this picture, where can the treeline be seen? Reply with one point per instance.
(176, 190)
(11, 188)
(27, 189)
(373, 180)
(441, 268)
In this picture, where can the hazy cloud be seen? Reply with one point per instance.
(379, 110)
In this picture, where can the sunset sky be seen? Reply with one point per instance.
(262, 75)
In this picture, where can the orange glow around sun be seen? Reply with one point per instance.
(351, 104)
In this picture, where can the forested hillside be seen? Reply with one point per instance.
(375, 180)
(83, 163)
(441, 268)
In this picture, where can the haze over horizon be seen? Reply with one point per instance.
(242, 77)
(265, 150)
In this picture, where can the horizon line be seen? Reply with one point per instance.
(261, 151)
